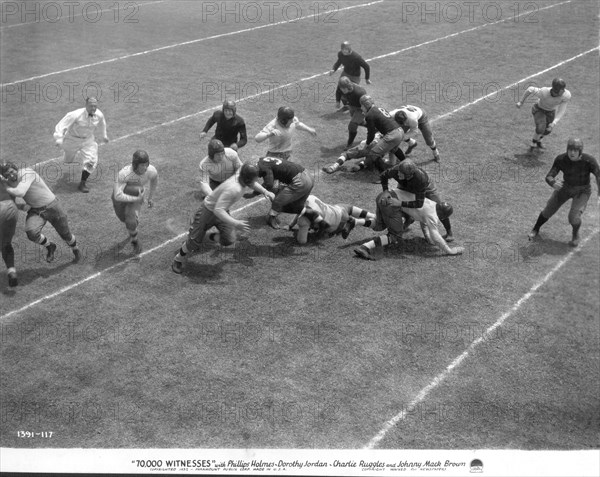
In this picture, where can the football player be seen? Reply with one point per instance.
(576, 167)
(549, 108)
(295, 186)
(415, 180)
(352, 94)
(44, 207)
(231, 127)
(352, 63)
(329, 219)
(280, 132)
(76, 133)
(378, 119)
(129, 192)
(390, 216)
(214, 212)
(219, 165)
(412, 119)
(8, 224)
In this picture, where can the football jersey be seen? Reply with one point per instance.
(81, 125)
(224, 196)
(575, 173)
(413, 114)
(283, 142)
(378, 119)
(353, 97)
(32, 189)
(546, 101)
(127, 176)
(272, 169)
(352, 64)
(227, 130)
(331, 214)
(220, 171)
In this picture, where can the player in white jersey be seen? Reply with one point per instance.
(390, 216)
(44, 207)
(280, 132)
(329, 219)
(214, 212)
(76, 134)
(412, 119)
(134, 178)
(549, 108)
(220, 164)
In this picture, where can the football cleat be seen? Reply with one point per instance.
(348, 226)
(177, 267)
(83, 188)
(436, 155)
(411, 148)
(574, 241)
(50, 251)
(448, 237)
(533, 234)
(273, 221)
(137, 247)
(329, 169)
(363, 252)
(76, 255)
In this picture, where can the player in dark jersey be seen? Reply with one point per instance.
(352, 63)
(352, 93)
(378, 119)
(412, 178)
(576, 167)
(229, 127)
(295, 186)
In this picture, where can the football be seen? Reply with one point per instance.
(133, 189)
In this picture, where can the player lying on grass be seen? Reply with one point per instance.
(214, 212)
(357, 152)
(329, 220)
(390, 213)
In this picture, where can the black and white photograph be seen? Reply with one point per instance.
(300, 237)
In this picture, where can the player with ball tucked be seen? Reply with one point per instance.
(129, 193)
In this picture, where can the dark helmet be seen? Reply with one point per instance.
(285, 114)
(366, 101)
(558, 84)
(407, 168)
(215, 147)
(444, 210)
(400, 117)
(140, 157)
(248, 174)
(346, 45)
(346, 83)
(229, 104)
(575, 143)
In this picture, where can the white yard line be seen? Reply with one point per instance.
(440, 378)
(184, 43)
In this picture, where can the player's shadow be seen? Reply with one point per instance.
(198, 271)
(119, 252)
(335, 115)
(528, 159)
(28, 276)
(531, 250)
(332, 153)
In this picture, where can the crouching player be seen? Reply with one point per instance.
(214, 213)
(329, 220)
(129, 193)
(390, 216)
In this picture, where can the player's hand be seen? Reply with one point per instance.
(269, 195)
(550, 126)
(275, 132)
(233, 146)
(313, 131)
(150, 203)
(519, 104)
(368, 81)
(456, 251)
(59, 142)
(558, 184)
(242, 226)
(202, 135)
(393, 202)
(104, 140)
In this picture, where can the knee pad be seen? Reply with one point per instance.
(33, 236)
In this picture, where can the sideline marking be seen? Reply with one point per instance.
(458, 360)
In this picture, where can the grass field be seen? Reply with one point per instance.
(268, 344)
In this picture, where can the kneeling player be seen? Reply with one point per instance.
(329, 220)
(129, 193)
(390, 216)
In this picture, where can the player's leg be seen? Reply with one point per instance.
(34, 223)
(356, 216)
(387, 217)
(132, 221)
(578, 206)
(557, 199)
(89, 154)
(303, 228)
(58, 219)
(352, 153)
(204, 219)
(433, 195)
(427, 132)
(8, 224)
(539, 117)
